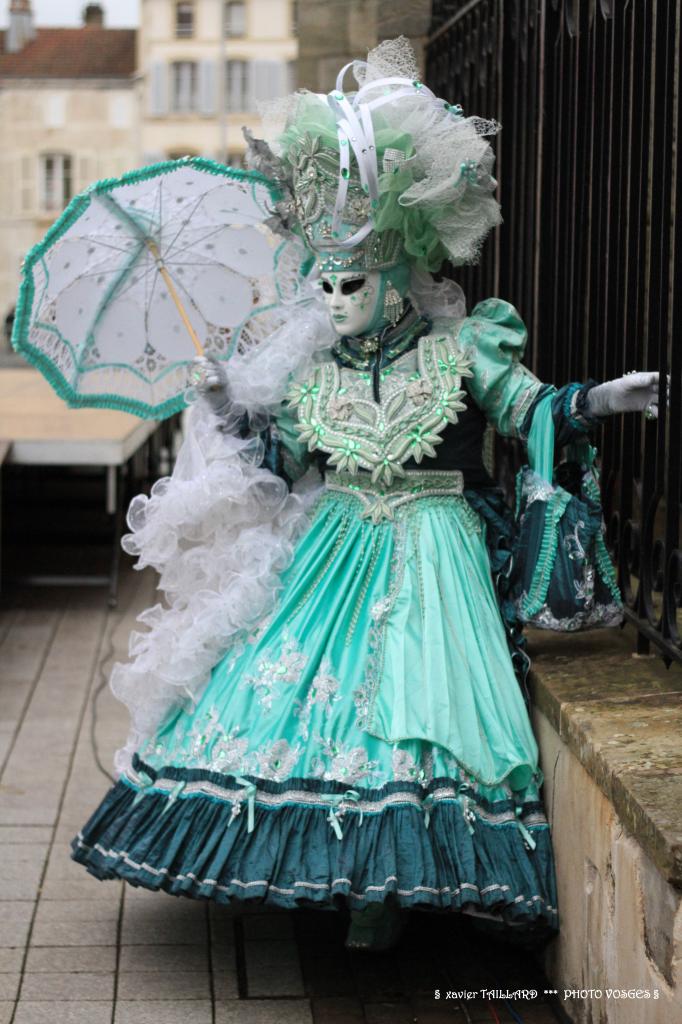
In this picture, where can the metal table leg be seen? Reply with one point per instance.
(115, 500)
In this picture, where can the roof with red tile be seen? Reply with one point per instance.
(87, 52)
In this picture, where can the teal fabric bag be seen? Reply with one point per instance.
(563, 576)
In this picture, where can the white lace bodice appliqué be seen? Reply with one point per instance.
(420, 395)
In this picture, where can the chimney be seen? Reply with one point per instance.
(21, 29)
(93, 16)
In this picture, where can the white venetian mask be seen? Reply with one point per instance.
(352, 298)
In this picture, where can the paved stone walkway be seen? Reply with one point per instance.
(74, 950)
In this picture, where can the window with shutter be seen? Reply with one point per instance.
(56, 189)
(185, 87)
(184, 20)
(268, 79)
(239, 97)
(235, 19)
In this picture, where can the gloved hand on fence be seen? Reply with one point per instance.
(635, 392)
(210, 379)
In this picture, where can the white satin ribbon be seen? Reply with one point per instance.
(355, 130)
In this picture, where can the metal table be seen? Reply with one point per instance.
(42, 431)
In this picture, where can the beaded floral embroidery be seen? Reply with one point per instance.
(323, 691)
(288, 668)
(407, 769)
(337, 413)
(343, 763)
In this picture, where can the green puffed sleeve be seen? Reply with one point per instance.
(295, 455)
(494, 338)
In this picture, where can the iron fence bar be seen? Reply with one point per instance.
(588, 96)
(451, 21)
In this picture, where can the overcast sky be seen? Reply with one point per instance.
(69, 12)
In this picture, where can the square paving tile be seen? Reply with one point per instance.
(163, 1013)
(162, 922)
(22, 862)
(162, 985)
(273, 968)
(67, 987)
(225, 980)
(75, 933)
(14, 923)
(145, 959)
(11, 960)
(84, 888)
(9, 986)
(71, 959)
(24, 889)
(63, 1013)
(264, 1011)
(339, 1010)
(30, 835)
(79, 911)
(268, 926)
(222, 923)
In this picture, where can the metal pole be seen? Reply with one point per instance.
(222, 84)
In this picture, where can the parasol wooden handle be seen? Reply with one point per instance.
(154, 250)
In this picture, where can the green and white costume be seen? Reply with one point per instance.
(361, 734)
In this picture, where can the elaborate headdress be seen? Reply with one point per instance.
(384, 174)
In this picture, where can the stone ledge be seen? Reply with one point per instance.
(621, 715)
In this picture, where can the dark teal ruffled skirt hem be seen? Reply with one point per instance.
(308, 842)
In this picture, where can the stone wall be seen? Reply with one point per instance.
(333, 33)
(608, 729)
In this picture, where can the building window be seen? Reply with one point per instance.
(56, 188)
(184, 20)
(239, 96)
(235, 19)
(185, 87)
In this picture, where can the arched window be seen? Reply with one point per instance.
(184, 20)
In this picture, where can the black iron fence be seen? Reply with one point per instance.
(587, 92)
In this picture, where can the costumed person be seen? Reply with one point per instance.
(329, 710)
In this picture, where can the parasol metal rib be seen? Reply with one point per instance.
(154, 250)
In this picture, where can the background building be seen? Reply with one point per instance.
(204, 66)
(86, 103)
(68, 115)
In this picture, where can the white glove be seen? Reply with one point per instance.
(209, 378)
(635, 392)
